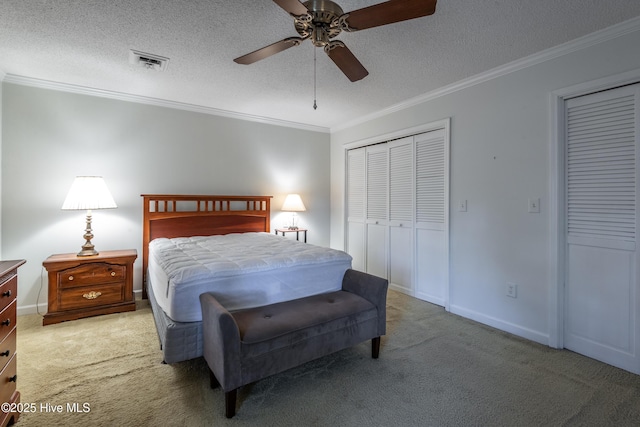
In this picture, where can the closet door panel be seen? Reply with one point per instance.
(377, 208)
(401, 190)
(431, 217)
(356, 229)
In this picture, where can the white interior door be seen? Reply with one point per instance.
(601, 284)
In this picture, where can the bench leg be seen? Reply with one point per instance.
(230, 403)
(375, 347)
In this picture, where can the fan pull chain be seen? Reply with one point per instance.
(315, 105)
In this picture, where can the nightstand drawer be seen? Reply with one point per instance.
(7, 349)
(89, 296)
(8, 319)
(92, 274)
(8, 380)
(8, 292)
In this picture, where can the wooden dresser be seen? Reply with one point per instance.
(88, 286)
(8, 358)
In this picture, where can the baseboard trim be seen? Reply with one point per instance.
(511, 328)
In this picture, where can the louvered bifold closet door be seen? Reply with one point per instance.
(401, 190)
(601, 292)
(377, 208)
(432, 212)
(356, 172)
(601, 170)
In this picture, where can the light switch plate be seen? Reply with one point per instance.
(462, 206)
(534, 205)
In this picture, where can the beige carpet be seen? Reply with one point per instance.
(435, 369)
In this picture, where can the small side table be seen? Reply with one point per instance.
(88, 286)
(293, 230)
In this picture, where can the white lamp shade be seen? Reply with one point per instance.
(293, 203)
(89, 192)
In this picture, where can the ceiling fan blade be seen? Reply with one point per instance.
(346, 61)
(267, 51)
(293, 7)
(388, 12)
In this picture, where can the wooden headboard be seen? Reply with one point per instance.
(172, 215)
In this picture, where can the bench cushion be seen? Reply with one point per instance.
(283, 325)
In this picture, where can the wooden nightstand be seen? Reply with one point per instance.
(88, 286)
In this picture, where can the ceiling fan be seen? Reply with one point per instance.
(322, 20)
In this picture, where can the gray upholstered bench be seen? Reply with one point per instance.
(248, 345)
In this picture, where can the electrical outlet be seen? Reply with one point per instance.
(462, 206)
(512, 290)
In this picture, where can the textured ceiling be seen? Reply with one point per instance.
(87, 42)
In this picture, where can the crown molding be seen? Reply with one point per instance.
(597, 37)
(592, 39)
(83, 90)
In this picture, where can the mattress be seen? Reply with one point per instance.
(242, 270)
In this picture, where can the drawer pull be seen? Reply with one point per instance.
(92, 295)
(6, 293)
(5, 353)
(13, 379)
(113, 273)
(6, 322)
(70, 278)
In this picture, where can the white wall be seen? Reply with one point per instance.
(49, 137)
(499, 158)
(1, 77)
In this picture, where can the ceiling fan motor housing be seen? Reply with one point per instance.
(317, 23)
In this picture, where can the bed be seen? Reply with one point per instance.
(222, 244)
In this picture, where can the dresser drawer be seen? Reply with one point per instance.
(8, 380)
(91, 296)
(95, 273)
(7, 319)
(7, 348)
(8, 291)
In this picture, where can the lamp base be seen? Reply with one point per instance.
(88, 249)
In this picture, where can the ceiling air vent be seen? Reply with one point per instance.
(148, 61)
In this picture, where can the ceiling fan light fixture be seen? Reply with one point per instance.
(323, 20)
(319, 36)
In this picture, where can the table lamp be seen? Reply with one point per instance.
(88, 192)
(293, 203)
